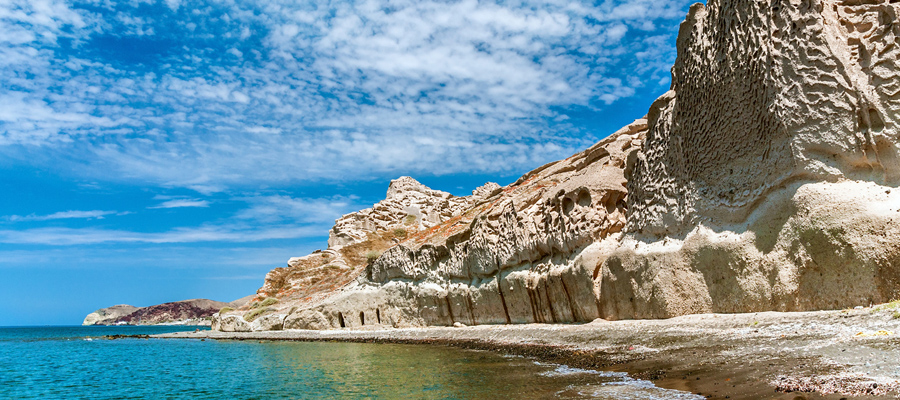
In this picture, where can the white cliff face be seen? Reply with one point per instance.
(763, 95)
(519, 254)
(765, 179)
(767, 174)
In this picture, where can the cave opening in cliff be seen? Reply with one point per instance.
(362, 318)
(341, 320)
(378, 315)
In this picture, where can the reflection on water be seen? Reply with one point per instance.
(71, 367)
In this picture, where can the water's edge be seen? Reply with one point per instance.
(86, 362)
(809, 355)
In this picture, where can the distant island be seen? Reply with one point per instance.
(185, 312)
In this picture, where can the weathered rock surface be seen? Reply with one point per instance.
(524, 253)
(765, 179)
(109, 315)
(195, 310)
(408, 203)
(410, 208)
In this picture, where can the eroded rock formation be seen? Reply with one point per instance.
(765, 182)
(765, 179)
(502, 255)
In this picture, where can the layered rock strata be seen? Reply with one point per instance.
(765, 179)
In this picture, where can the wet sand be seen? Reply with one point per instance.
(811, 355)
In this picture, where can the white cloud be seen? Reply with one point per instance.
(94, 214)
(173, 4)
(181, 203)
(37, 20)
(340, 91)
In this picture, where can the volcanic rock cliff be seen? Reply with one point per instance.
(765, 179)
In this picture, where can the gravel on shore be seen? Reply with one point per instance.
(770, 355)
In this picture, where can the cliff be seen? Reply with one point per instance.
(765, 179)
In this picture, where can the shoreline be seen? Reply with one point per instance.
(769, 355)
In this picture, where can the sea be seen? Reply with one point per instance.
(75, 362)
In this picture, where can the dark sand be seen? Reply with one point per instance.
(811, 355)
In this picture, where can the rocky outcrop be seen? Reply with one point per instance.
(408, 203)
(109, 315)
(765, 179)
(409, 209)
(196, 311)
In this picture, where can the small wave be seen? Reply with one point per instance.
(563, 370)
(638, 389)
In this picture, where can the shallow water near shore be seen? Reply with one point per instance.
(76, 362)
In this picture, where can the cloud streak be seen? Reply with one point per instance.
(90, 236)
(181, 203)
(94, 214)
(265, 217)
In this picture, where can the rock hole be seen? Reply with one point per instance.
(876, 124)
(378, 315)
(568, 205)
(611, 202)
(362, 318)
(584, 198)
(341, 320)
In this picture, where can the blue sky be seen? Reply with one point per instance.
(159, 150)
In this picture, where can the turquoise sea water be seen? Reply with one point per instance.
(75, 363)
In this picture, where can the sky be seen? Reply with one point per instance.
(162, 150)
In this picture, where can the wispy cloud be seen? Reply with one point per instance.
(265, 217)
(242, 258)
(87, 236)
(279, 208)
(181, 203)
(227, 94)
(94, 214)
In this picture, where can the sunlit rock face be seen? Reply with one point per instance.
(408, 203)
(523, 253)
(763, 180)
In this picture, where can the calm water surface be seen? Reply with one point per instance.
(73, 363)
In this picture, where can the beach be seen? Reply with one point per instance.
(771, 355)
